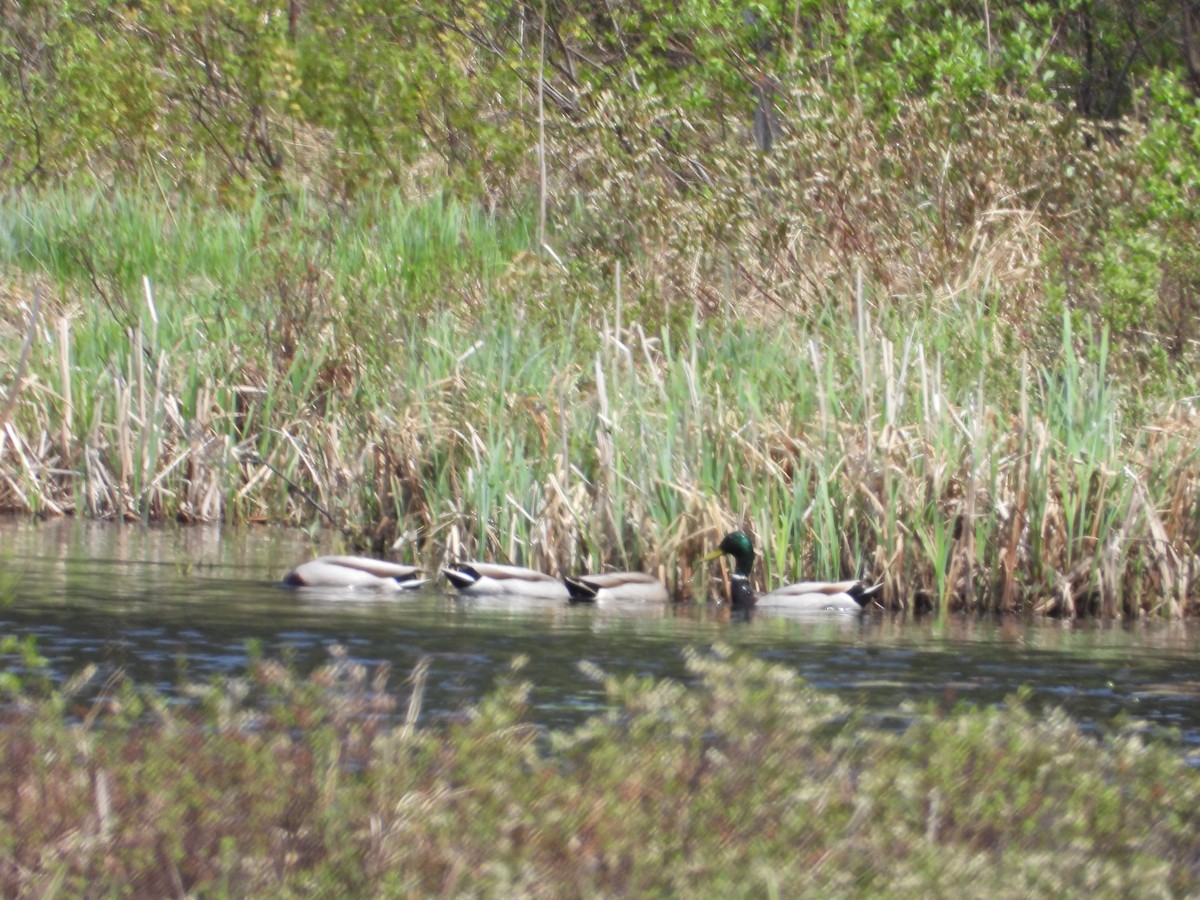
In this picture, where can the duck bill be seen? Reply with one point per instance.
(715, 554)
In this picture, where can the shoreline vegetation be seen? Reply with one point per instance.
(937, 455)
(905, 301)
(746, 781)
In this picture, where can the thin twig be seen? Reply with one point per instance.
(257, 460)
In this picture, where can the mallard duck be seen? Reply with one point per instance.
(494, 579)
(804, 595)
(354, 572)
(617, 586)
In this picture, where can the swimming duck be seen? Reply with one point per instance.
(617, 586)
(494, 579)
(804, 595)
(354, 572)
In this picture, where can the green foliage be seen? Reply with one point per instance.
(26, 668)
(744, 781)
(896, 127)
(229, 90)
(1130, 270)
(1169, 149)
(887, 54)
(695, 53)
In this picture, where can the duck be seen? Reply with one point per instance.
(496, 579)
(616, 587)
(815, 596)
(354, 572)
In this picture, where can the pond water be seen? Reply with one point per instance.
(168, 605)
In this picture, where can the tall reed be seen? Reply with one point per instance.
(196, 365)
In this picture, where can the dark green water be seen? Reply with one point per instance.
(174, 604)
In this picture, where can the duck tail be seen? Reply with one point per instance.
(461, 576)
(580, 590)
(862, 593)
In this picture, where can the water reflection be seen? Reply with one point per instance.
(174, 604)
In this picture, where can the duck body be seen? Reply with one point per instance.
(804, 596)
(354, 572)
(496, 580)
(617, 587)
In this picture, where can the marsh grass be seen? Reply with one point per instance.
(195, 365)
(745, 781)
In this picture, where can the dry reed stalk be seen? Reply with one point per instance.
(150, 498)
(139, 364)
(1110, 563)
(195, 433)
(14, 389)
(64, 369)
(1018, 502)
(862, 318)
(9, 437)
(31, 462)
(417, 679)
(979, 452)
(563, 513)
(606, 463)
(124, 450)
(1172, 589)
(212, 499)
(89, 481)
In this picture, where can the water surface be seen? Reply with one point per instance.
(169, 605)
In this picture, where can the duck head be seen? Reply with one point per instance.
(738, 545)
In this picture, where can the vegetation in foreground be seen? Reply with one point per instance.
(907, 293)
(745, 783)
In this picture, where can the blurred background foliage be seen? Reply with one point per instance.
(1072, 109)
(1044, 154)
